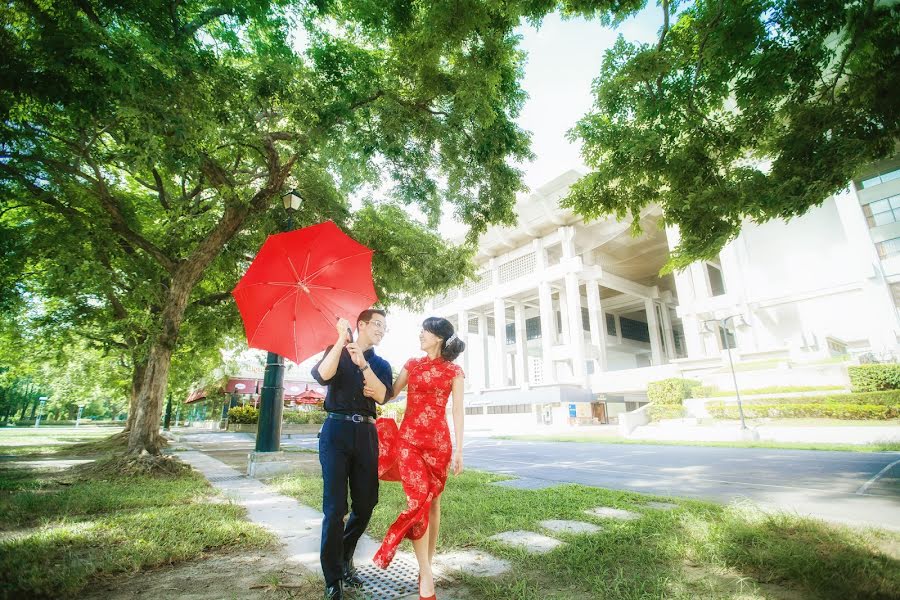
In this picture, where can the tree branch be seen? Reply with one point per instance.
(163, 199)
(212, 299)
(210, 14)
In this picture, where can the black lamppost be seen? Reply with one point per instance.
(167, 422)
(271, 401)
(723, 332)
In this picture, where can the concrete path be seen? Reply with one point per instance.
(298, 527)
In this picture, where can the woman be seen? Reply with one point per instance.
(419, 453)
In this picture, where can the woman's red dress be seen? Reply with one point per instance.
(418, 453)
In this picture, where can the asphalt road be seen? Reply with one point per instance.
(859, 488)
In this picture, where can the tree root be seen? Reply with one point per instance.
(124, 465)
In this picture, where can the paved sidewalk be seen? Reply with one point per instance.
(299, 529)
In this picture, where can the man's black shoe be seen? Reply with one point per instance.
(334, 592)
(350, 577)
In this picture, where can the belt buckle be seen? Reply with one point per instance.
(357, 418)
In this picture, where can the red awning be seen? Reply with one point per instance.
(195, 396)
(249, 386)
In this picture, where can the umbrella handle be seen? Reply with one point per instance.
(350, 334)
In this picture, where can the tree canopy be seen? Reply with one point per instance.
(143, 144)
(749, 110)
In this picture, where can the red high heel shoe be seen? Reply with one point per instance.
(421, 597)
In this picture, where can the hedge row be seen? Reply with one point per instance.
(873, 378)
(888, 398)
(664, 411)
(831, 410)
(315, 417)
(670, 391)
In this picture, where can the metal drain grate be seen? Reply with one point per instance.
(226, 478)
(397, 581)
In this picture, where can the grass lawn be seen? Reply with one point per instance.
(599, 439)
(699, 550)
(61, 529)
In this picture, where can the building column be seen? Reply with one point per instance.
(576, 332)
(462, 332)
(668, 331)
(653, 326)
(597, 323)
(521, 347)
(548, 330)
(483, 381)
(499, 374)
(884, 322)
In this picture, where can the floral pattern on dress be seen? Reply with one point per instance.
(418, 453)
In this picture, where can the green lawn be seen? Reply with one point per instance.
(700, 550)
(60, 529)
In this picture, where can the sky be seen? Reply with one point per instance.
(564, 56)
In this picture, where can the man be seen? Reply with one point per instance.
(348, 442)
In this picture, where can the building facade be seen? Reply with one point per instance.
(569, 321)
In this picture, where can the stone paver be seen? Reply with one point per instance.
(558, 526)
(471, 562)
(661, 505)
(527, 540)
(605, 512)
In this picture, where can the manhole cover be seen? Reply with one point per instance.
(226, 478)
(397, 581)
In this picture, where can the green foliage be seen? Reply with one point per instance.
(741, 111)
(304, 417)
(711, 391)
(670, 391)
(871, 406)
(243, 415)
(876, 377)
(665, 411)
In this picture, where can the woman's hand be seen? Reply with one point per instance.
(457, 463)
(368, 392)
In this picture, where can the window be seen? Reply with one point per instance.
(474, 410)
(533, 328)
(611, 324)
(559, 327)
(510, 334)
(585, 319)
(883, 212)
(716, 282)
(509, 409)
(888, 248)
(473, 325)
(882, 178)
(635, 330)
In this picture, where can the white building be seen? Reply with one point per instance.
(572, 319)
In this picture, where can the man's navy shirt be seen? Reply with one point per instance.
(345, 388)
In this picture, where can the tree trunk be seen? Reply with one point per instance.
(144, 432)
(138, 372)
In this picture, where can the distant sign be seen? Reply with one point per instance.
(572, 411)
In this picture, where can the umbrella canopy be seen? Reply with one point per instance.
(297, 287)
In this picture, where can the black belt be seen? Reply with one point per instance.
(354, 418)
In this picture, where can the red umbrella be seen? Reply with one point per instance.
(297, 287)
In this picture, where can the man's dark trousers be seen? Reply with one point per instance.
(348, 451)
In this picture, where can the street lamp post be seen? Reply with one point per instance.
(268, 428)
(80, 409)
(720, 327)
(231, 403)
(168, 420)
(43, 401)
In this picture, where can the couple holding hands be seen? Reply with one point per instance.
(356, 449)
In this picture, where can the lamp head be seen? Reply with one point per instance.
(291, 200)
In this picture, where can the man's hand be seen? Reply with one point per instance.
(343, 329)
(356, 354)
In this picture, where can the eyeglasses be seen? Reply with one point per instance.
(379, 325)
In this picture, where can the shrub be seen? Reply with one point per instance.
(665, 411)
(704, 391)
(316, 417)
(872, 405)
(670, 391)
(243, 415)
(830, 410)
(295, 417)
(875, 378)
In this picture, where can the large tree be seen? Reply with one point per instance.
(749, 110)
(150, 139)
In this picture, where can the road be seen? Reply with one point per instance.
(859, 488)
